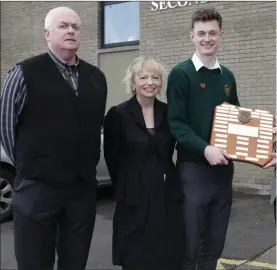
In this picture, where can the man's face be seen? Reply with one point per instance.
(206, 37)
(64, 34)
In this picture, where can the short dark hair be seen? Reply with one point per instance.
(204, 15)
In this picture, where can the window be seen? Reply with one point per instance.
(119, 23)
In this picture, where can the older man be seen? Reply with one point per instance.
(52, 109)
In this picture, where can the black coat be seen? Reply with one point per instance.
(126, 140)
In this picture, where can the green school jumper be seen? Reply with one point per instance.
(192, 96)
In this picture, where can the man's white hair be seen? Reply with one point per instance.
(53, 12)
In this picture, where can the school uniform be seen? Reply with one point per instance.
(193, 92)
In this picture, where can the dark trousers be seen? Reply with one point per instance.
(51, 218)
(207, 205)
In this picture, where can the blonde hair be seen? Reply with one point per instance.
(138, 65)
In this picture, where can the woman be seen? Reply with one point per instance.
(138, 148)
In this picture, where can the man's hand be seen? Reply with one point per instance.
(216, 156)
(272, 163)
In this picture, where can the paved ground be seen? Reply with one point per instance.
(250, 241)
(251, 233)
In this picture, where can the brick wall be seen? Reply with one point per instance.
(248, 49)
(22, 25)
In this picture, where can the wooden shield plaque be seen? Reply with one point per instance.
(245, 134)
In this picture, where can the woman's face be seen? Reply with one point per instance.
(147, 84)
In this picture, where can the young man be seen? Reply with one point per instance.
(52, 109)
(195, 87)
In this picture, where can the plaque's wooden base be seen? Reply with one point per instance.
(244, 134)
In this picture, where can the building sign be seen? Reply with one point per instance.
(161, 5)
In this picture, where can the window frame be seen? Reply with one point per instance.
(102, 28)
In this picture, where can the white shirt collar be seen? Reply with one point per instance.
(199, 64)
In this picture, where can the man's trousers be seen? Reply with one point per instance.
(50, 219)
(207, 205)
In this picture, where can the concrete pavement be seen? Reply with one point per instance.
(267, 260)
(251, 237)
